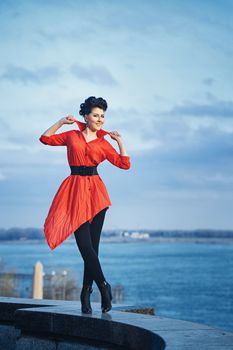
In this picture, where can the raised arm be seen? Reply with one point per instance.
(121, 160)
(50, 138)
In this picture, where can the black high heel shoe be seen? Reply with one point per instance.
(85, 299)
(106, 296)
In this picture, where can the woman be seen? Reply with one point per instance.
(81, 202)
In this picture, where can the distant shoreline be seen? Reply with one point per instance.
(172, 240)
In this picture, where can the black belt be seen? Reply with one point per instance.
(84, 170)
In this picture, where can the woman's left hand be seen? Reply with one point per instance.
(115, 136)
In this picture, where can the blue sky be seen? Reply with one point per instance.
(165, 69)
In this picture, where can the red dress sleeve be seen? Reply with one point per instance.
(115, 158)
(55, 139)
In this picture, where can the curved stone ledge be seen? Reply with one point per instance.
(54, 324)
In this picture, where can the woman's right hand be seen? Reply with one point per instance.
(67, 120)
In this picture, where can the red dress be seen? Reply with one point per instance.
(79, 198)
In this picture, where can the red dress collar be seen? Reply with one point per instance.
(82, 126)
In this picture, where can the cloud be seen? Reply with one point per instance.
(2, 176)
(94, 74)
(208, 81)
(16, 73)
(206, 147)
(216, 108)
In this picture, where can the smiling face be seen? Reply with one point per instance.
(95, 119)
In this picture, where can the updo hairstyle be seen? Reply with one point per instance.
(91, 102)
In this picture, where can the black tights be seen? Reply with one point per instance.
(88, 237)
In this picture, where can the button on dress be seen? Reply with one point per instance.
(79, 198)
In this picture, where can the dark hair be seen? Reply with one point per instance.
(91, 102)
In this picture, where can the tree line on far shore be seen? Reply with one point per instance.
(30, 233)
